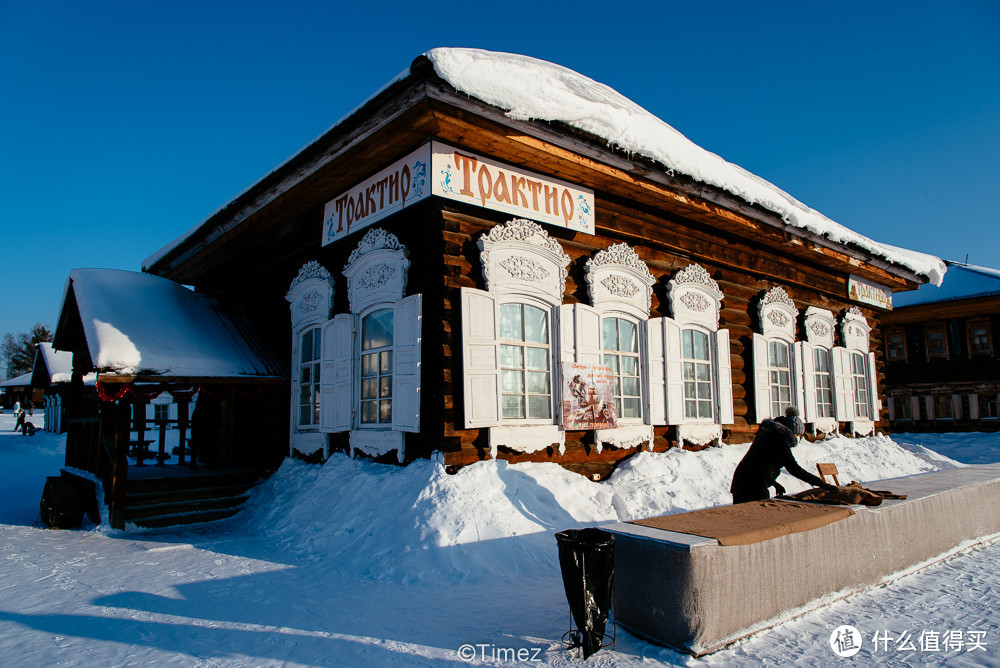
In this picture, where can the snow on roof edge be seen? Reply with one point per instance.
(552, 91)
(532, 89)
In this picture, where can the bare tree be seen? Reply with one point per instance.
(18, 350)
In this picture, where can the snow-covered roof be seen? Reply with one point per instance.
(531, 89)
(963, 281)
(58, 363)
(142, 324)
(17, 381)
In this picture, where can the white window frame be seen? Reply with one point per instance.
(619, 374)
(777, 318)
(310, 299)
(523, 344)
(376, 274)
(855, 333)
(361, 353)
(820, 329)
(695, 383)
(620, 285)
(521, 263)
(695, 302)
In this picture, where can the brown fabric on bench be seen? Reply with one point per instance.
(750, 522)
(848, 495)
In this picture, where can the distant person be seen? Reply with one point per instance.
(20, 418)
(17, 407)
(770, 451)
(28, 429)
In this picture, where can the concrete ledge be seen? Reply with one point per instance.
(692, 594)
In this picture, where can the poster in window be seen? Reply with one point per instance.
(588, 399)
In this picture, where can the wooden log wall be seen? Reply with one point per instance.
(744, 274)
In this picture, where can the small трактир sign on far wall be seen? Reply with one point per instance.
(438, 169)
(867, 292)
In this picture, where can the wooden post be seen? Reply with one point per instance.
(182, 424)
(161, 455)
(118, 428)
(139, 420)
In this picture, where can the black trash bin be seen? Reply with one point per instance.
(587, 562)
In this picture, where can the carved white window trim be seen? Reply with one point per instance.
(310, 299)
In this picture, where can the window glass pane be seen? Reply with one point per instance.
(305, 396)
(510, 322)
(538, 358)
(513, 406)
(385, 386)
(700, 340)
(702, 371)
(689, 390)
(385, 411)
(538, 383)
(305, 414)
(688, 371)
(690, 409)
(385, 362)
(778, 352)
(512, 357)
(376, 329)
(610, 361)
(630, 386)
(368, 386)
(704, 391)
(630, 408)
(629, 338)
(369, 412)
(317, 339)
(307, 374)
(512, 381)
(305, 351)
(630, 366)
(539, 407)
(369, 365)
(536, 325)
(687, 345)
(610, 333)
(704, 409)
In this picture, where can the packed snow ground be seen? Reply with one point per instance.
(358, 564)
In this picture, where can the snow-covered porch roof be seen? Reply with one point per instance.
(139, 327)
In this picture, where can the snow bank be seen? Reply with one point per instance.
(417, 523)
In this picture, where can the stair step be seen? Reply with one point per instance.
(145, 498)
(136, 512)
(162, 521)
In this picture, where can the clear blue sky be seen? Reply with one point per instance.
(124, 124)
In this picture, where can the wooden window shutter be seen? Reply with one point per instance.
(892, 409)
(762, 379)
(406, 338)
(580, 334)
(674, 366)
(843, 385)
(337, 381)
(656, 371)
(805, 352)
(798, 376)
(481, 358)
(724, 368)
(873, 397)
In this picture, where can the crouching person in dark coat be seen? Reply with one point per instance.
(770, 451)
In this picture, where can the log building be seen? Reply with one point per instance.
(448, 279)
(943, 365)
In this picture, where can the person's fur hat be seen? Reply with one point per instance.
(792, 420)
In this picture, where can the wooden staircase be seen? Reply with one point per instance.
(155, 502)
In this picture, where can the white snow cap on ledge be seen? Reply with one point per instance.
(532, 89)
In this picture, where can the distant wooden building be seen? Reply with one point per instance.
(941, 348)
(447, 277)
